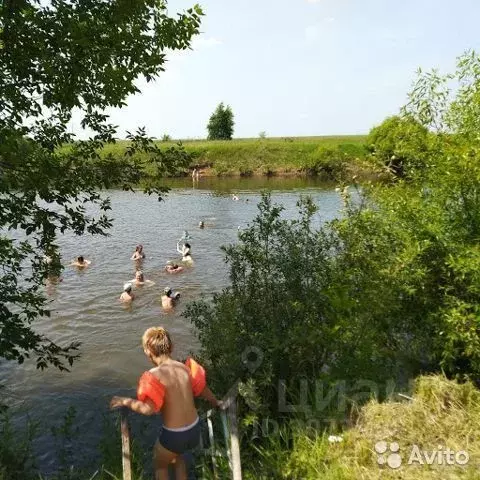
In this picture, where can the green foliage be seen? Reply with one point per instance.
(330, 162)
(220, 125)
(166, 138)
(17, 461)
(57, 56)
(387, 291)
(286, 300)
(401, 144)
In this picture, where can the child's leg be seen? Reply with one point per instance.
(180, 468)
(162, 458)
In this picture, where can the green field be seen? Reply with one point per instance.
(269, 156)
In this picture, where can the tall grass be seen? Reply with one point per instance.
(442, 414)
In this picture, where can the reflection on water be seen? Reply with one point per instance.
(85, 305)
(221, 185)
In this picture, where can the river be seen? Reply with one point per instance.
(85, 304)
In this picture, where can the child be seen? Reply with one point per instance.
(169, 387)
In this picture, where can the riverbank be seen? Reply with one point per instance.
(426, 436)
(331, 157)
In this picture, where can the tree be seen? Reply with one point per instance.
(220, 125)
(55, 57)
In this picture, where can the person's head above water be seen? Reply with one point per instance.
(167, 291)
(139, 248)
(127, 287)
(80, 259)
(187, 245)
(156, 342)
(139, 276)
(201, 224)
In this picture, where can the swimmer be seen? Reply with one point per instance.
(81, 262)
(169, 298)
(139, 280)
(173, 268)
(127, 295)
(170, 387)
(138, 253)
(234, 197)
(201, 224)
(185, 251)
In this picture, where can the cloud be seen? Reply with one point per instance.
(200, 42)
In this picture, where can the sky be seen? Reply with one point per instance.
(300, 67)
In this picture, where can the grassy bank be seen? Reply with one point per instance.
(441, 415)
(331, 156)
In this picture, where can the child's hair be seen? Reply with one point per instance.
(80, 259)
(187, 245)
(157, 341)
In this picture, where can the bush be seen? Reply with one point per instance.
(401, 144)
(330, 162)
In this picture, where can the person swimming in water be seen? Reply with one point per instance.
(234, 197)
(80, 262)
(140, 281)
(138, 253)
(127, 295)
(201, 224)
(173, 268)
(185, 251)
(169, 298)
(170, 387)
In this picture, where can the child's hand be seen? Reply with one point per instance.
(116, 402)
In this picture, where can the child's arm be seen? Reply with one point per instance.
(210, 397)
(178, 248)
(144, 408)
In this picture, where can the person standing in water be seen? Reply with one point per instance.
(127, 296)
(185, 251)
(138, 253)
(169, 298)
(170, 387)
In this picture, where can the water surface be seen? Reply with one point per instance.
(85, 304)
